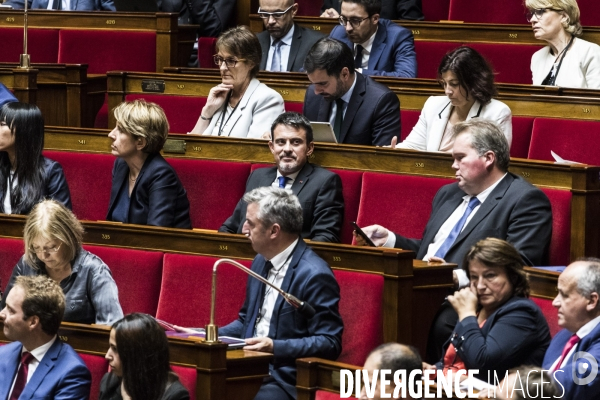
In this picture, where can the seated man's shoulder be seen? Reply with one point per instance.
(393, 28)
(309, 34)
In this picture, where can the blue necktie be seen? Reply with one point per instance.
(253, 320)
(441, 253)
(276, 61)
(282, 181)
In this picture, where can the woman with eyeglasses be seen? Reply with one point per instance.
(468, 82)
(53, 238)
(26, 177)
(498, 326)
(240, 106)
(568, 60)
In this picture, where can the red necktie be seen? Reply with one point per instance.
(21, 381)
(570, 344)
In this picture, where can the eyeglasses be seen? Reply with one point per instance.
(276, 15)
(354, 22)
(46, 250)
(539, 13)
(229, 62)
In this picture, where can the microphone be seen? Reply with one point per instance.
(24, 61)
(212, 330)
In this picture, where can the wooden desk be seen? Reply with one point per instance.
(173, 43)
(222, 374)
(543, 283)
(413, 290)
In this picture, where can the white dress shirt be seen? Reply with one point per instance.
(280, 263)
(7, 206)
(366, 52)
(284, 50)
(38, 354)
(582, 332)
(290, 180)
(346, 97)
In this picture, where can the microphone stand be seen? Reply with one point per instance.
(25, 62)
(212, 330)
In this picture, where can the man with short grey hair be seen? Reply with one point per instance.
(574, 353)
(273, 225)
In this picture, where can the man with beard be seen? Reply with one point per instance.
(284, 43)
(360, 110)
(319, 190)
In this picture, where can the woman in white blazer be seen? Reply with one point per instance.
(240, 106)
(468, 82)
(568, 60)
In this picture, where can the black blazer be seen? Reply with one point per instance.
(110, 388)
(515, 334)
(55, 186)
(372, 116)
(158, 197)
(302, 41)
(320, 195)
(515, 211)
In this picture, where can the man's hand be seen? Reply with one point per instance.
(264, 344)
(377, 233)
(330, 13)
(394, 142)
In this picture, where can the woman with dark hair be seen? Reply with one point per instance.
(498, 327)
(468, 81)
(26, 177)
(240, 106)
(138, 356)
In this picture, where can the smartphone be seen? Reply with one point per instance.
(363, 235)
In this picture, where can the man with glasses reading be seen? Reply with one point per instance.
(380, 46)
(284, 44)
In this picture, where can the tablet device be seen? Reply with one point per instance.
(363, 235)
(136, 5)
(323, 132)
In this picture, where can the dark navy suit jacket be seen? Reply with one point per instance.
(515, 334)
(61, 375)
(320, 195)
(575, 367)
(302, 41)
(392, 53)
(76, 5)
(515, 211)
(372, 115)
(158, 197)
(309, 278)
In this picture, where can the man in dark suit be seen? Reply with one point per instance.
(213, 16)
(75, 5)
(574, 353)
(390, 9)
(319, 190)
(38, 365)
(360, 110)
(284, 44)
(269, 324)
(380, 46)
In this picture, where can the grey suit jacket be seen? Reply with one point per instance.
(515, 211)
(77, 5)
(320, 195)
(302, 41)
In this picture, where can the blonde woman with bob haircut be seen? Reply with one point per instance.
(568, 60)
(53, 238)
(145, 188)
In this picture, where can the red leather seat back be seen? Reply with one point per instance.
(293, 106)
(521, 136)
(550, 313)
(98, 366)
(435, 10)
(42, 45)
(560, 244)
(351, 186)
(409, 119)
(188, 378)
(213, 188)
(11, 250)
(429, 56)
(489, 12)
(89, 177)
(361, 304)
(510, 62)
(137, 273)
(186, 290)
(309, 8)
(590, 13)
(206, 51)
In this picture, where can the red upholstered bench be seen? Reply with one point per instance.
(11, 251)
(138, 274)
(435, 10)
(206, 50)
(42, 45)
(590, 12)
(89, 177)
(351, 187)
(429, 55)
(182, 111)
(521, 136)
(574, 140)
(293, 106)
(186, 290)
(550, 313)
(560, 244)
(309, 8)
(493, 12)
(188, 377)
(361, 308)
(409, 119)
(213, 188)
(108, 50)
(401, 203)
(98, 366)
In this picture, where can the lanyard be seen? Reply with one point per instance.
(225, 112)
(551, 80)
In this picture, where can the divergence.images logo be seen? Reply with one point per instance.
(586, 368)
